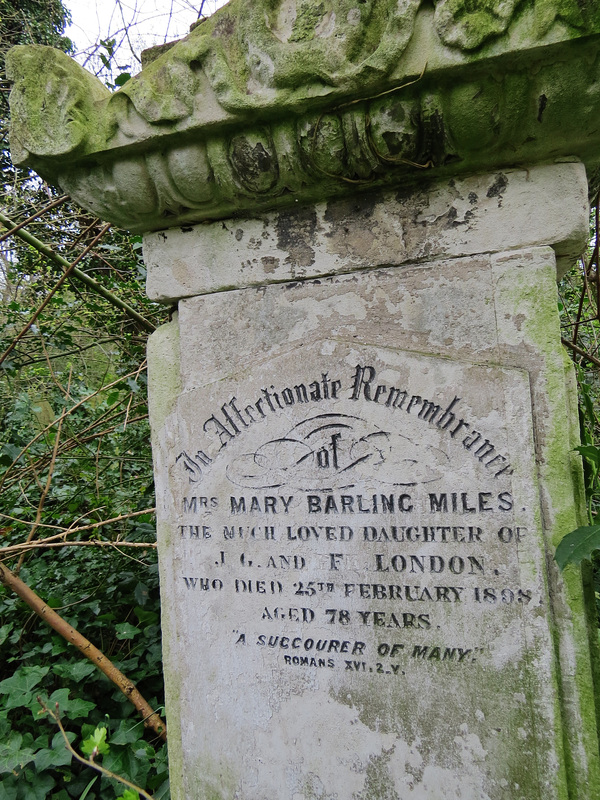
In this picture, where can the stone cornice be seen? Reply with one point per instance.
(271, 103)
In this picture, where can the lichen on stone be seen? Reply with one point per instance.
(52, 102)
(272, 102)
(469, 23)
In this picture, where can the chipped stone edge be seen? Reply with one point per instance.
(239, 253)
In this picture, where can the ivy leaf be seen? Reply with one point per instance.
(38, 788)
(72, 708)
(591, 452)
(12, 756)
(128, 733)
(129, 794)
(76, 671)
(9, 788)
(8, 454)
(121, 80)
(57, 755)
(577, 545)
(124, 761)
(5, 728)
(146, 617)
(5, 631)
(96, 743)
(126, 631)
(19, 687)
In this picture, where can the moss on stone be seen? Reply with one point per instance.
(53, 103)
(470, 23)
(299, 101)
(533, 295)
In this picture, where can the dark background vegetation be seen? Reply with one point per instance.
(75, 453)
(68, 464)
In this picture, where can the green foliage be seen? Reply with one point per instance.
(580, 317)
(74, 452)
(96, 465)
(95, 744)
(577, 545)
(106, 55)
(92, 591)
(39, 21)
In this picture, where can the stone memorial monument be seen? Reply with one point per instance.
(362, 415)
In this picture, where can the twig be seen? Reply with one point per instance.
(69, 269)
(46, 489)
(82, 276)
(117, 545)
(43, 545)
(97, 471)
(59, 201)
(580, 322)
(382, 94)
(581, 352)
(89, 762)
(594, 258)
(48, 357)
(22, 522)
(51, 369)
(69, 531)
(363, 181)
(151, 718)
(83, 233)
(126, 26)
(584, 292)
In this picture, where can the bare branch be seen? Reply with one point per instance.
(82, 276)
(68, 270)
(581, 352)
(70, 634)
(44, 495)
(37, 214)
(44, 545)
(89, 762)
(68, 531)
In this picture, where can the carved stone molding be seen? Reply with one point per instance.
(271, 103)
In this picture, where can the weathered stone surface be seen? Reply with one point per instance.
(303, 536)
(363, 421)
(342, 451)
(268, 103)
(50, 116)
(483, 213)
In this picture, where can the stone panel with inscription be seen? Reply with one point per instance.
(361, 479)
(355, 564)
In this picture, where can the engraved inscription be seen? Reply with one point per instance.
(334, 513)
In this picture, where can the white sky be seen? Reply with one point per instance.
(134, 24)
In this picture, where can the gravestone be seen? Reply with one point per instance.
(363, 419)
